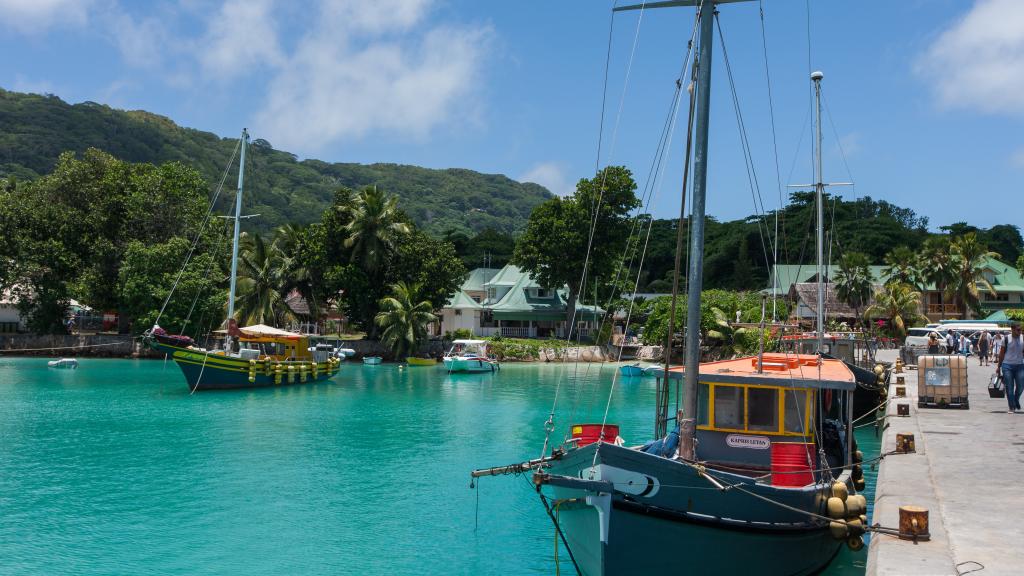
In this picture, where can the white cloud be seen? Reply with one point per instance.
(978, 62)
(373, 66)
(35, 16)
(850, 144)
(142, 43)
(241, 36)
(550, 175)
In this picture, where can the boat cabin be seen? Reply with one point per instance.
(470, 348)
(746, 407)
(259, 342)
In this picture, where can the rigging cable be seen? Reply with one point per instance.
(748, 159)
(778, 176)
(199, 233)
(596, 207)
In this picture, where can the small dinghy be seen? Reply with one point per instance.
(66, 363)
(630, 370)
(372, 360)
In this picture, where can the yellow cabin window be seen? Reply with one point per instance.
(754, 408)
(729, 407)
(763, 409)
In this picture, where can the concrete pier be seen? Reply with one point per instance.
(968, 471)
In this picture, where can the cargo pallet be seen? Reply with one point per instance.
(956, 403)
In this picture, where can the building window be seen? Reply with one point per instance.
(458, 312)
(543, 293)
(997, 298)
(476, 298)
(491, 293)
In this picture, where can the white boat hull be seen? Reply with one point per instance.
(455, 364)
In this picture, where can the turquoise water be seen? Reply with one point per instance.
(115, 469)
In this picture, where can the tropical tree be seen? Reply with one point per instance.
(261, 280)
(901, 267)
(970, 257)
(853, 281)
(403, 321)
(900, 304)
(590, 226)
(292, 242)
(725, 334)
(937, 264)
(375, 226)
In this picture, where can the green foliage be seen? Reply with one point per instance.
(522, 349)
(67, 234)
(35, 130)
(459, 334)
(558, 234)
(147, 275)
(969, 256)
(900, 304)
(1017, 315)
(403, 319)
(726, 302)
(853, 280)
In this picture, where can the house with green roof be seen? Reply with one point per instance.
(511, 303)
(1005, 279)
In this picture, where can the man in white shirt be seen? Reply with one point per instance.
(1011, 366)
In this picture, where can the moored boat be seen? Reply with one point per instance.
(414, 361)
(65, 363)
(372, 360)
(469, 356)
(250, 357)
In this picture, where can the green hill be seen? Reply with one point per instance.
(35, 130)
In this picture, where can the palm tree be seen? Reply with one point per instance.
(260, 280)
(937, 264)
(970, 257)
(290, 241)
(728, 336)
(404, 323)
(853, 281)
(376, 225)
(901, 267)
(900, 303)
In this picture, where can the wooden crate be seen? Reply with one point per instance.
(942, 381)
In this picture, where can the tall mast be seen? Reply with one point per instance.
(238, 222)
(819, 193)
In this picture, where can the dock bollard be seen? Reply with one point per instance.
(905, 444)
(914, 523)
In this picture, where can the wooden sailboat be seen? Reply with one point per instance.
(761, 448)
(264, 356)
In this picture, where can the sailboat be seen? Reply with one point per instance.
(760, 473)
(265, 355)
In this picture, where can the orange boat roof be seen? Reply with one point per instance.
(797, 370)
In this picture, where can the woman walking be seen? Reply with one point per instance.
(983, 342)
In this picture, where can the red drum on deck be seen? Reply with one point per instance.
(792, 463)
(590, 433)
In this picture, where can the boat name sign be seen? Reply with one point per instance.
(744, 441)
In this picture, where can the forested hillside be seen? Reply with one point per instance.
(35, 130)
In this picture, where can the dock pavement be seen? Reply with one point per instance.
(968, 471)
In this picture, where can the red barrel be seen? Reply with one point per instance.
(590, 433)
(792, 463)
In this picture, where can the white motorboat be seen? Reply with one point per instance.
(66, 363)
(469, 356)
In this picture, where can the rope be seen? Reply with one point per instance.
(199, 233)
(201, 370)
(775, 148)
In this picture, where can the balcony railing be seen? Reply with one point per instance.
(950, 309)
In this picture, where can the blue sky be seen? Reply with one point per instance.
(926, 96)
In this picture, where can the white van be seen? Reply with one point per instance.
(918, 338)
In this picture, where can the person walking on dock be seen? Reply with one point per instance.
(1011, 366)
(983, 342)
(933, 343)
(951, 341)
